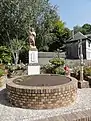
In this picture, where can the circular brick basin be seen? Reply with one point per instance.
(42, 91)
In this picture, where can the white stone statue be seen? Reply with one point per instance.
(33, 67)
(32, 36)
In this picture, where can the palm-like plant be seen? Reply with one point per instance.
(16, 47)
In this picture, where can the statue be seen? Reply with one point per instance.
(33, 67)
(32, 36)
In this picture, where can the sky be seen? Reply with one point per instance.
(74, 12)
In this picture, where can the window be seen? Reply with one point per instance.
(88, 43)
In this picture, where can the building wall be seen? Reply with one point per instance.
(72, 50)
(84, 49)
(88, 50)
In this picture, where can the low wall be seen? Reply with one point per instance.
(43, 97)
(44, 57)
(76, 62)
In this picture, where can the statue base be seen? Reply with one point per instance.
(33, 56)
(83, 84)
(33, 69)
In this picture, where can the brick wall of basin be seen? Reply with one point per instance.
(42, 97)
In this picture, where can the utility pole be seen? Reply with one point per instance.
(81, 60)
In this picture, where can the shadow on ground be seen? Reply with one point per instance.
(4, 98)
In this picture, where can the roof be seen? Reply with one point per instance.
(79, 36)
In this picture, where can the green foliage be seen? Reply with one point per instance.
(12, 68)
(87, 71)
(2, 66)
(17, 15)
(59, 70)
(59, 28)
(5, 55)
(85, 29)
(16, 47)
(55, 67)
(48, 68)
(61, 34)
(57, 62)
(76, 72)
(1, 72)
(16, 70)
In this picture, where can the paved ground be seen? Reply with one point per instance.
(8, 113)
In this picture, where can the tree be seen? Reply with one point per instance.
(85, 29)
(45, 27)
(61, 34)
(15, 47)
(17, 15)
(76, 29)
(12, 20)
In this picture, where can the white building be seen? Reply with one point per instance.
(72, 48)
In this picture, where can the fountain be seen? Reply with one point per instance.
(38, 91)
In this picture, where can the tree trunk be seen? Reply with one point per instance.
(16, 58)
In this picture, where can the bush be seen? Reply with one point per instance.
(57, 62)
(1, 72)
(54, 67)
(5, 55)
(87, 71)
(2, 66)
(12, 68)
(47, 68)
(59, 70)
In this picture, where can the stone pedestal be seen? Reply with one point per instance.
(83, 84)
(33, 57)
(33, 67)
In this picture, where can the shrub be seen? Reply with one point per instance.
(54, 67)
(87, 71)
(12, 68)
(47, 68)
(5, 55)
(2, 66)
(57, 62)
(1, 72)
(59, 70)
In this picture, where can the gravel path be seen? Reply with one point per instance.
(8, 113)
